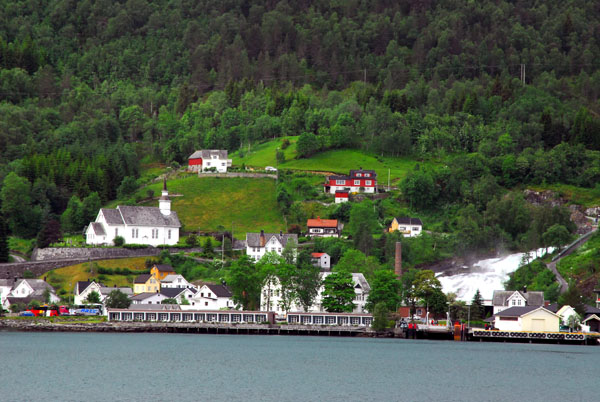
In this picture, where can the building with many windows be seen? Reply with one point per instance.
(153, 226)
(358, 181)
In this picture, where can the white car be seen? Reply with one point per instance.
(270, 169)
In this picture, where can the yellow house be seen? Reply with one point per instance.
(409, 227)
(159, 271)
(146, 283)
(527, 318)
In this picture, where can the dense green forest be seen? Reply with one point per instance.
(503, 92)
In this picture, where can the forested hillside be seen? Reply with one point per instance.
(504, 92)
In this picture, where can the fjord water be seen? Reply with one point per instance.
(175, 367)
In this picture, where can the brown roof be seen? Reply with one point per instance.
(164, 268)
(143, 278)
(322, 223)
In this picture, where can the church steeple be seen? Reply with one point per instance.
(164, 202)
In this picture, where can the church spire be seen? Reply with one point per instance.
(164, 202)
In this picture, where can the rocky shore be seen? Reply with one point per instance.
(46, 325)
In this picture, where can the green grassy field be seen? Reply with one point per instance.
(66, 277)
(336, 161)
(262, 155)
(206, 203)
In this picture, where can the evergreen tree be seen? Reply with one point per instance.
(477, 308)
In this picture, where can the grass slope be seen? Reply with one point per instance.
(206, 203)
(66, 277)
(337, 161)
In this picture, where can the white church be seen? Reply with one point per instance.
(137, 225)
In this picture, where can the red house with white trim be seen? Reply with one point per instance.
(342, 196)
(358, 181)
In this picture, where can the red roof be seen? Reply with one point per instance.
(322, 223)
(316, 255)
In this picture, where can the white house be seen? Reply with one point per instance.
(503, 299)
(270, 295)
(321, 260)
(409, 227)
(5, 287)
(211, 297)
(174, 281)
(137, 225)
(323, 227)
(26, 290)
(83, 290)
(526, 318)
(257, 244)
(207, 160)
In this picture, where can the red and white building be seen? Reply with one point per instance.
(208, 160)
(323, 227)
(342, 196)
(358, 181)
(321, 260)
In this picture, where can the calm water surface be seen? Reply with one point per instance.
(175, 367)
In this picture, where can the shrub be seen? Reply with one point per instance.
(119, 241)
(285, 143)
(27, 274)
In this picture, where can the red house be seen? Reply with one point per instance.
(358, 181)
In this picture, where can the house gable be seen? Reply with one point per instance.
(516, 299)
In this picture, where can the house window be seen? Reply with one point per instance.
(367, 174)
(206, 303)
(279, 250)
(207, 163)
(359, 175)
(340, 182)
(116, 232)
(367, 182)
(357, 182)
(415, 228)
(169, 234)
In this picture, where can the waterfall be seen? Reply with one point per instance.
(486, 275)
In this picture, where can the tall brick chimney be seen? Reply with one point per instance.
(262, 240)
(398, 261)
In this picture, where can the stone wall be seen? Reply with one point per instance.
(44, 260)
(239, 174)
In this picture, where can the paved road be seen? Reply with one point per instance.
(572, 247)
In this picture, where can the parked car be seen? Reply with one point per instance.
(270, 169)
(27, 314)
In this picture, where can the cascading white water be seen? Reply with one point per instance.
(486, 275)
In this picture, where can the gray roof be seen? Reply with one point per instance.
(219, 290)
(516, 311)
(208, 153)
(409, 221)
(171, 293)
(148, 216)
(98, 229)
(170, 278)
(106, 290)
(552, 307)
(533, 298)
(6, 282)
(80, 286)
(144, 296)
(354, 172)
(112, 216)
(36, 284)
(253, 239)
(591, 309)
(357, 278)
